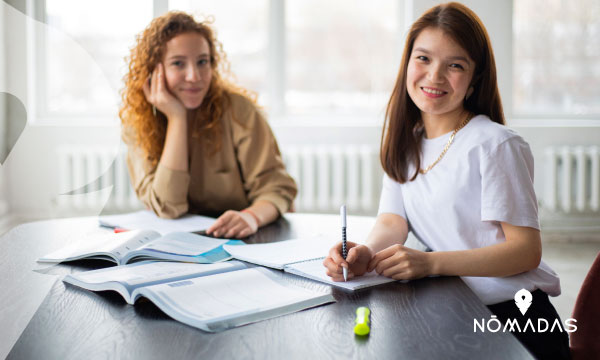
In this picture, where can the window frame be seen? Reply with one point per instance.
(276, 84)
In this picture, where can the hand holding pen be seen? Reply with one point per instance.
(356, 262)
(346, 259)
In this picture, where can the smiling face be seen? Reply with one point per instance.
(439, 73)
(187, 68)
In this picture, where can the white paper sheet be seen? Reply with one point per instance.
(278, 254)
(146, 219)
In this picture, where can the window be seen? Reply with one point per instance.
(333, 59)
(340, 59)
(73, 82)
(342, 56)
(556, 58)
(241, 26)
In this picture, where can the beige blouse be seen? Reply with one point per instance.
(247, 168)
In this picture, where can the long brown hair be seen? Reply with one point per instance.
(136, 112)
(402, 133)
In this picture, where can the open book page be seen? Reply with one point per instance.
(106, 246)
(126, 278)
(183, 243)
(217, 254)
(278, 254)
(146, 219)
(222, 301)
(181, 246)
(316, 271)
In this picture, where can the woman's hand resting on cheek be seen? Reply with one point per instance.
(157, 94)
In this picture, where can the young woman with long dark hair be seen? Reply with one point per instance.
(459, 179)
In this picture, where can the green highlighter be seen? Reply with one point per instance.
(362, 321)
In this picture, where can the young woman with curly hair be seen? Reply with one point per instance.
(197, 143)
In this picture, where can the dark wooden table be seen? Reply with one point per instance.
(430, 318)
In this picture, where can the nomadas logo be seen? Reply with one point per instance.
(523, 300)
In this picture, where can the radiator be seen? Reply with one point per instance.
(327, 176)
(573, 180)
(85, 171)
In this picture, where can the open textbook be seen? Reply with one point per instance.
(137, 245)
(301, 257)
(211, 297)
(146, 219)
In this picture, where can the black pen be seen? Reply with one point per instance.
(344, 248)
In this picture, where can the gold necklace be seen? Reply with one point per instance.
(462, 125)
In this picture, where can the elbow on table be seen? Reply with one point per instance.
(167, 215)
(168, 210)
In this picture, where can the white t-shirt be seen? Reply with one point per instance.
(485, 178)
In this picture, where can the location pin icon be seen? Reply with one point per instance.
(523, 300)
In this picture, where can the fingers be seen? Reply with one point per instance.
(403, 271)
(397, 272)
(146, 90)
(335, 261)
(356, 251)
(221, 225)
(159, 84)
(334, 271)
(399, 263)
(232, 224)
(380, 256)
(245, 233)
(154, 82)
(352, 255)
(150, 86)
(336, 254)
(235, 228)
(384, 265)
(217, 224)
(331, 268)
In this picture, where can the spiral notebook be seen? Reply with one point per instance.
(300, 257)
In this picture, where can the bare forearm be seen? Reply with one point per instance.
(388, 230)
(504, 259)
(175, 151)
(265, 211)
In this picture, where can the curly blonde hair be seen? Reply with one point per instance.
(136, 114)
